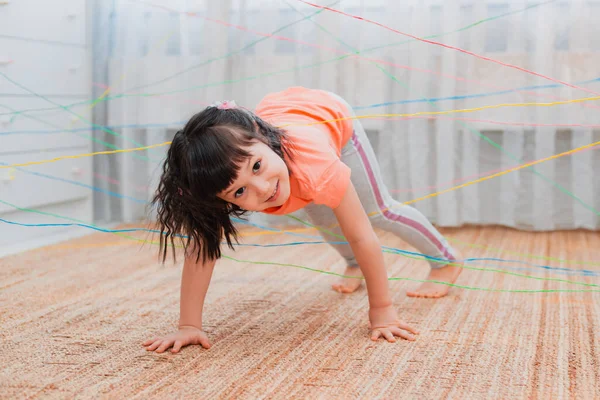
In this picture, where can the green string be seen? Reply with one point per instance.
(560, 260)
(434, 105)
(321, 271)
(264, 75)
(109, 145)
(418, 280)
(90, 123)
(66, 108)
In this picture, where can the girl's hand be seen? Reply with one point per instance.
(385, 324)
(185, 336)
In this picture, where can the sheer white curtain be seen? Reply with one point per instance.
(166, 60)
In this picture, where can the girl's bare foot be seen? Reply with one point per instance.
(434, 290)
(349, 285)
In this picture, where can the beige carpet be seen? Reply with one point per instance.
(73, 317)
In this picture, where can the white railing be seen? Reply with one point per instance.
(418, 156)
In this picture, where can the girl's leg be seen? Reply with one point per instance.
(406, 222)
(323, 217)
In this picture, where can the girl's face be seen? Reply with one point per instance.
(263, 181)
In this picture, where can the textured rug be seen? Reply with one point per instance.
(73, 317)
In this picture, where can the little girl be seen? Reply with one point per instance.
(228, 160)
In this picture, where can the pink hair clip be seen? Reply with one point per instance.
(225, 105)
(180, 191)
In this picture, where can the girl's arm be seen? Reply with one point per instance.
(195, 280)
(359, 233)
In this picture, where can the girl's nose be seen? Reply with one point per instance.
(262, 186)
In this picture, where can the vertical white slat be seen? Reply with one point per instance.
(115, 115)
(131, 172)
(265, 50)
(579, 16)
(421, 160)
(154, 168)
(216, 44)
(471, 139)
(348, 76)
(117, 112)
(363, 71)
(125, 12)
(252, 63)
(513, 137)
(128, 110)
(543, 201)
(513, 142)
(374, 78)
(185, 56)
(305, 53)
(239, 69)
(583, 177)
(184, 30)
(446, 139)
(393, 149)
(327, 73)
(154, 31)
(595, 166)
(582, 174)
(231, 62)
(566, 196)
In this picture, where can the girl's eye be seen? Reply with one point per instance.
(239, 192)
(256, 166)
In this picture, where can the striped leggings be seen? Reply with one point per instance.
(389, 215)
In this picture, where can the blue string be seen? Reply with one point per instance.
(429, 100)
(110, 193)
(71, 224)
(558, 270)
(469, 96)
(94, 188)
(177, 123)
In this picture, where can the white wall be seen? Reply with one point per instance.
(44, 48)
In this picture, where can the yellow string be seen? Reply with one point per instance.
(85, 155)
(465, 110)
(566, 153)
(375, 212)
(109, 88)
(323, 122)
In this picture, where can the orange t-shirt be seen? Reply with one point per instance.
(317, 173)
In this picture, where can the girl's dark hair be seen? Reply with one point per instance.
(203, 160)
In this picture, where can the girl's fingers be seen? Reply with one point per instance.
(403, 334)
(407, 327)
(375, 335)
(165, 345)
(177, 346)
(149, 341)
(160, 345)
(154, 345)
(204, 342)
(389, 336)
